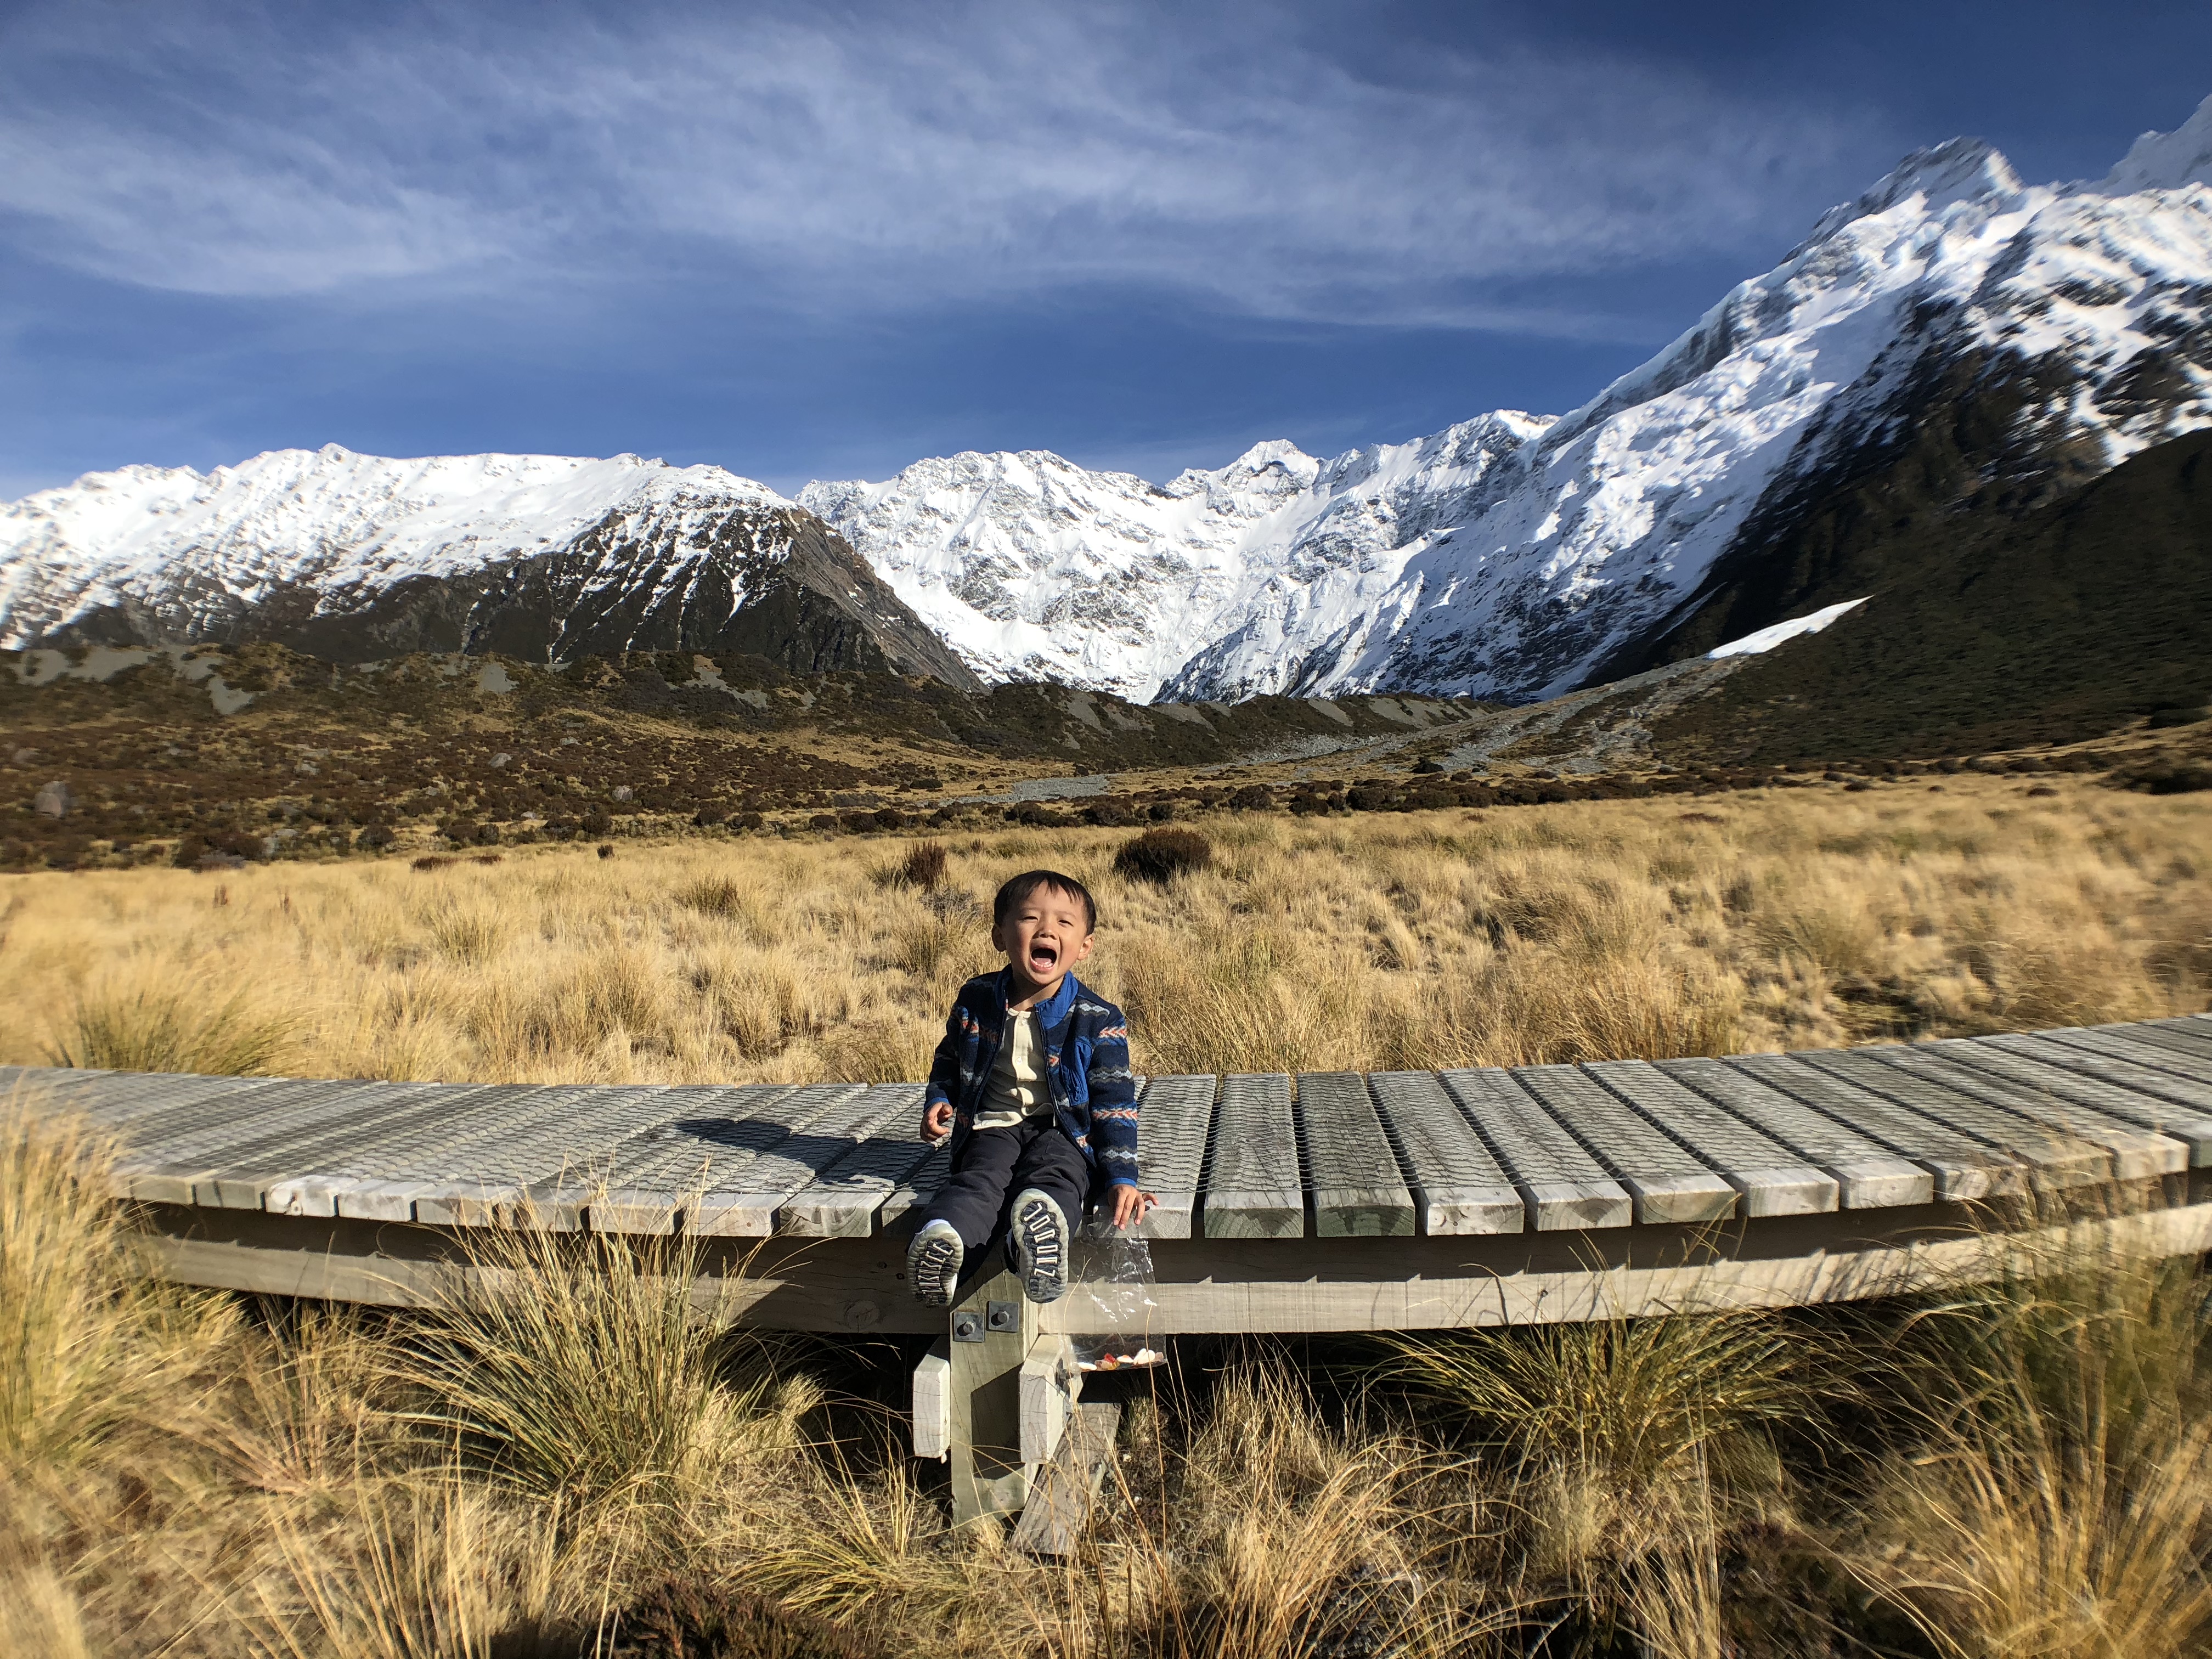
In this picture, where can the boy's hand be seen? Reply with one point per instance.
(937, 1121)
(1130, 1205)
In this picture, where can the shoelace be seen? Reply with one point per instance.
(1044, 1240)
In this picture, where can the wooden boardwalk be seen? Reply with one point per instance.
(1475, 1166)
(1331, 1201)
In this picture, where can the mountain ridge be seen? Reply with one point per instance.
(1951, 342)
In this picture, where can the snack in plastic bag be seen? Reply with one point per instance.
(1111, 1297)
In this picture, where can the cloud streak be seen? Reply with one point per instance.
(871, 162)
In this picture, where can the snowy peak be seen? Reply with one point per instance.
(2166, 160)
(359, 556)
(1962, 170)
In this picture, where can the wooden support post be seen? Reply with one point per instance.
(1067, 1486)
(1051, 1384)
(993, 1328)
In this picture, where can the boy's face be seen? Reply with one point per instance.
(1043, 936)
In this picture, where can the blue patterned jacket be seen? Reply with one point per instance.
(1087, 1043)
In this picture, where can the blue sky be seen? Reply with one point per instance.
(825, 240)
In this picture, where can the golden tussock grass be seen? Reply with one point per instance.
(1784, 918)
(578, 1454)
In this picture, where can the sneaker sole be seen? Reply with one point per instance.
(933, 1269)
(1041, 1251)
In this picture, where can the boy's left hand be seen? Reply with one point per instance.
(1130, 1205)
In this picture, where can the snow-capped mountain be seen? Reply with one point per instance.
(1951, 339)
(1514, 557)
(356, 556)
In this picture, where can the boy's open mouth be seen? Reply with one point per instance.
(1044, 957)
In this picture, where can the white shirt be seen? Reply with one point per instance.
(1016, 1089)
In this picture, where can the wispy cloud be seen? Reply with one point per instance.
(870, 161)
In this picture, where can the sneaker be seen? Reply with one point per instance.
(1039, 1239)
(932, 1263)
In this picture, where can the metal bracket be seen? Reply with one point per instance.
(966, 1326)
(1002, 1316)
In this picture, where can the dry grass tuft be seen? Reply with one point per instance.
(87, 1343)
(146, 1030)
(2058, 1504)
(582, 1370)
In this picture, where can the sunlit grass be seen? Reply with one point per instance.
(1797, 918)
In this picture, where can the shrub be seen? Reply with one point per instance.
(2167, 775)
(1161, 855)
(924, 865)
(1252, 798)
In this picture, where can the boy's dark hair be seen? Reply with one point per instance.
(1030, 881)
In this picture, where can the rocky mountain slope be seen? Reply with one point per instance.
(355, 558)
(2044, 333)
(2061, 623)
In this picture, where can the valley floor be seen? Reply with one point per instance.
(1761, 919)
(578, 1465)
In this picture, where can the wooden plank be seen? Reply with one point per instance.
(2057, 1160)
(1059, 1503)
(1668, 1183)
(1857, 1262)
(1175, 1115)
(2125, 1045)
(1965, 1170)
(113, 1101)
(1359, 1191)
(904, 1207)
(2138, 1154)
(2118, 1069)
(1868, 1175)
(248, 1171)
(1251, 1187)
(747, 1204)
(2025, 1076)
(842, 1201)
(228, 1164)
(460, 1166)
(2190, 1036)
(546, 1153)
(1564, 1188)
(1770, 1179)
(653, 1174)
(1457, 1186)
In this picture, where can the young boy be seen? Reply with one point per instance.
(1032, 1083)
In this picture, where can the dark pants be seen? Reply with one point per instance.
(995, 1165)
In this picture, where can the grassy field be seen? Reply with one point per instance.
(583, 1466)
(1756, 920)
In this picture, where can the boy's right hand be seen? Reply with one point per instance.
(937, 1120)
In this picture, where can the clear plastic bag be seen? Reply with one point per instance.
(1111, 1298)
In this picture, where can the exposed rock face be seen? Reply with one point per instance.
(355, 558)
